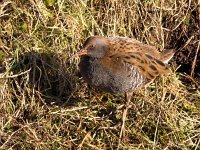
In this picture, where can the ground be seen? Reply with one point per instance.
(44, 102)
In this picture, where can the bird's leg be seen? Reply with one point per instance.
(128, 96)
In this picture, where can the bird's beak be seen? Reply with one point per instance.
(82, 52)
(79, 53)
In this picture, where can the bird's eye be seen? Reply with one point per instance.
(92, 46)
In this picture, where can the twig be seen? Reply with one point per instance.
(69, 110)
(195, 60)
(156, 131)
(191, 79)
(188, 41)
(14, 76)
(87, 137)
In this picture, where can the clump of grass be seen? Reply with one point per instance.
(45, 104)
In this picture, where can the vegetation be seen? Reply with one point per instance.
(45, 104)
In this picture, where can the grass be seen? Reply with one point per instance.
(45, 104)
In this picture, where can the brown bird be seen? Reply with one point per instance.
(121, 65)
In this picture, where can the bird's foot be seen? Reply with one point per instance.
(123, 128)
(124, 106)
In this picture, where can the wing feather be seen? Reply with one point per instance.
(147, 58)
(148, 65)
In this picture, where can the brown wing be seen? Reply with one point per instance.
(149, 66)
(126, 45)
(145, 57)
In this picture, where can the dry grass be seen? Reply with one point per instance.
(44, 103)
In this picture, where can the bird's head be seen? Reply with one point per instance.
(94, 46)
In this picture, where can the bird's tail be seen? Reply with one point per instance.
(166, 55)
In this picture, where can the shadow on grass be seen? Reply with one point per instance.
(50, 77)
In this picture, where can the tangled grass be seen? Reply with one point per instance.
(45, 104)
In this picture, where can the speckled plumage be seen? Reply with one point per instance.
(126, 65)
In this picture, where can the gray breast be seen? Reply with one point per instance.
(128, 78)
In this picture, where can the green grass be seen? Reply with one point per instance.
(45, 104)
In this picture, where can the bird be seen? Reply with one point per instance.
(121, 65)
